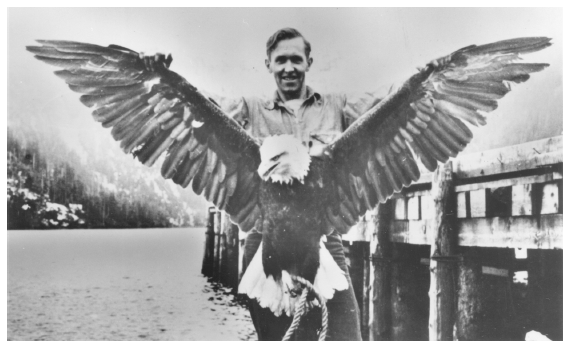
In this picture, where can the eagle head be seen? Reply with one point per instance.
(283, 158)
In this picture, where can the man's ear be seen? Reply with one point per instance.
(309, 63)
(268, 65)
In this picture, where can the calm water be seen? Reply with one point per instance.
(116, 285)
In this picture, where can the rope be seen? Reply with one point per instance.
(302, 308)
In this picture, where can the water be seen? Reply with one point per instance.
(116, 285)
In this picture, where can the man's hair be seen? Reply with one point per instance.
(286, 34)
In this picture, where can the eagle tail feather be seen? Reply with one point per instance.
(274, 294)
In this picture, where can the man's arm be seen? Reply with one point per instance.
(238, 110)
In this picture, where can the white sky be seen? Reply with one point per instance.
(222, 51)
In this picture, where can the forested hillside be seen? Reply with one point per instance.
(51, 186)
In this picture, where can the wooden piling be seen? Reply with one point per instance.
(410, 284)
(208, 260)
(356, 261)
(365, 314)
(485, 308)
(381, 325)
(442, 266)
(217, 234)
(223, 255)
(545, 292)
(231, 260)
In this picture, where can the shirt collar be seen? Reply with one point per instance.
(276, 101)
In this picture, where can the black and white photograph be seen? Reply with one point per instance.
(284, 174)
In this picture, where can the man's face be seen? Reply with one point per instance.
(288, 65)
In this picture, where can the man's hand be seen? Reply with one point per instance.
(157, 61)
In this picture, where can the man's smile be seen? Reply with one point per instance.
(289, 78)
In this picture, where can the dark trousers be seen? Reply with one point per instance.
(343, 312)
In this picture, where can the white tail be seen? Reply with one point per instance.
(274, 294)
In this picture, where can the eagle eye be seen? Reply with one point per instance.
(275, 158)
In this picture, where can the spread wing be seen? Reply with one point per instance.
(425, 119)
(156, 112)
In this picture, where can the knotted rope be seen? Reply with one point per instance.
(302, 308)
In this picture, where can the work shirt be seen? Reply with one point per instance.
(321, 117)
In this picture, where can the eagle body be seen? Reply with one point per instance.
(293, 222)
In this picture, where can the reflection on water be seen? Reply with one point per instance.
(116, 285)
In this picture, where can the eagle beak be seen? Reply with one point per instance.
(265, 170)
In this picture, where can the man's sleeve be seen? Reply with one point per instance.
(238, 110)
(356, 105)
(233, 107)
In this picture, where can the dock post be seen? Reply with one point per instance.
(365, 315)
(545, 278)
(410, 285)
(442, 263)
(223, 255)
(485, 309)
(380, 326)
(217, 233)
(358, 255)
(231, 260)
(208, 260)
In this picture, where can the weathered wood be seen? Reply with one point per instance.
(356, 265)
(414, 208)
(478, 203)
(231, 266)
(522, 200)
(426, 203)
(529, 232)
(222, 262)
(363, 230)
(209, 243)
(543, 232)
(533, 179)
(241, 255)
(545, 292)
(484, 305)
(400, 209)
(410, 285)
(499, 272)
(381, 326)
(365, 315)
(499, 201)
(550, 200)
(217, 234)
(415, 193)
(462, 208)
(410, 232)
(441, 292)
(525, 156)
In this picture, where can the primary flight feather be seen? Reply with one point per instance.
(277, 188)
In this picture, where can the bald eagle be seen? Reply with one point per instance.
(277, 188)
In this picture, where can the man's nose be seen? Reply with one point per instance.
(288, 66)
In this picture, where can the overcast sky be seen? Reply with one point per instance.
(222, 51)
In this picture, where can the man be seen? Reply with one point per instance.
(316, 120)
